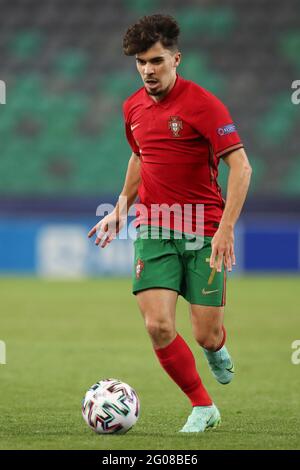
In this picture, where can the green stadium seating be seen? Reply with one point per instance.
(142, 7)
(195, 67)
(258, 173)
(279, 121)
(26, 44)
(291, 181)
(26, 92)
(71, 64)
(118, 87)
(61, 130)
(290, 47)
(217, 21)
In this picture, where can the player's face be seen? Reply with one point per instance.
(157, 67)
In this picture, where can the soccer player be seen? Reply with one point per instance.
(178, 131)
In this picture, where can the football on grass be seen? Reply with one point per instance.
(110, 406)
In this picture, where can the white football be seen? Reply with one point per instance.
(110, 406)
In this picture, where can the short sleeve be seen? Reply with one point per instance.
(217, 126)
(131, 139)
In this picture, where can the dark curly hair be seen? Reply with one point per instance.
(148, 30)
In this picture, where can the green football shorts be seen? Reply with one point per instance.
(167, 263)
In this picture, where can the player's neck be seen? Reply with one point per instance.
(157, 99)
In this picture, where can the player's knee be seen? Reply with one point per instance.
(210, 341)
(159, 330)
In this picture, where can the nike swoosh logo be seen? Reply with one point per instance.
(133, 127)
(207, 292)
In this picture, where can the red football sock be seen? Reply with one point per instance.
(178, 361)
(223, 340)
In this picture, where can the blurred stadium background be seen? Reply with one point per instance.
(63, 150)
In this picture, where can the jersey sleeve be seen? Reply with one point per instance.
(217, 126)
(130, 138)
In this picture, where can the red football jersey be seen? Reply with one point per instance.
(180, 140)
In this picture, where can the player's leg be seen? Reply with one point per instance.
(207, 324)
(157, 280)
(158, 307)
(209, 332)
(205, 291)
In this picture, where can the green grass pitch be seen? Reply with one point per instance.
(61, 337)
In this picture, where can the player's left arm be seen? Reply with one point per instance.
(237, 188)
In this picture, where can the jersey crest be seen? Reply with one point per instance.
(175, 125)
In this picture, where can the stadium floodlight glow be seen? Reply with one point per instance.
(2, 92)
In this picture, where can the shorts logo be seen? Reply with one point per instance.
(226, 129)
(139, 268)
(175, 125)
(207, 292)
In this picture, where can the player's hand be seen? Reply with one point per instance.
(107, 229)
(223, 249)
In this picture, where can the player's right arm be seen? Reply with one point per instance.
(108, 227)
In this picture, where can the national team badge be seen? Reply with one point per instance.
(139, 268)
(176, 125)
